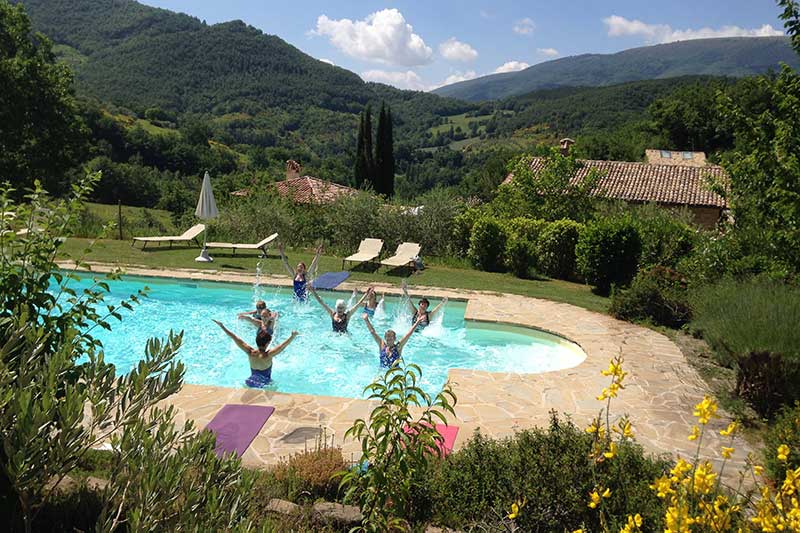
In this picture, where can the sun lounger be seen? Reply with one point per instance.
(404, 256)
(239, 246)
(368, 250)
(189, 235)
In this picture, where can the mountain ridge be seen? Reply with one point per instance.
(730, 56)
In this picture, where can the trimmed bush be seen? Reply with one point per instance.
(665, 239)
(487, 244)
(556, 248)
(784, 430)
(521, 254)
(552, 469)
(608, 253)
(752, 326)
(658, 295)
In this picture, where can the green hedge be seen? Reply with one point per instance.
(658, 295)
(521, 253)
(785, 429)
(557, 248)
(487, 244)
(608, 253)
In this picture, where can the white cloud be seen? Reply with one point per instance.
(485, 14)
(511, 66)
(548, 52)
(457, 51)
(459, 76)
(328, 61)
(524, 26)
(664, 33)
(403, 80)
(382, 37)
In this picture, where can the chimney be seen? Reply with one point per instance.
(293, 169)
(566, 143)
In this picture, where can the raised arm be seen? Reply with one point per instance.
(246, 314)
(313, 268)
(404, 340)
(441, 304)
(408, 299)
(285, 261)
(357, 304)
(282, 346)
(321, 302)
(249, 318)
(372, 330)
(239, 342)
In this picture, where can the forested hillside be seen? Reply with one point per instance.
(734, 57)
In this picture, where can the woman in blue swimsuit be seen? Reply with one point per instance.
(340, 318)
(266, 320)
(372, 302)
(390, 350)
(261, 356)
(299, 274)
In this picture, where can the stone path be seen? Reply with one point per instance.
(661, 387)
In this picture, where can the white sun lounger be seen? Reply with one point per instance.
(368, 250)
(244, 246)
(189, 235)
(404, 255)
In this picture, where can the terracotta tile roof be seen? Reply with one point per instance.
(644, 182)
(308, 190)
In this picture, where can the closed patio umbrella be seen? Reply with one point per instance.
(206, 210)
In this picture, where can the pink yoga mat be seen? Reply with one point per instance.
(448, 433)
(237, 425)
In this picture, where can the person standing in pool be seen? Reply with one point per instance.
(372, 302)
(340, 317)
(390, 350)
(260, 306)
(267, 320)
(300, 274)
(261, 356)
(421, 315)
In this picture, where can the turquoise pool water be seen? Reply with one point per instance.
(318, 361)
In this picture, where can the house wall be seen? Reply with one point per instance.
(706, 217)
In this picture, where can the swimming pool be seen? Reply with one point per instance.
(319, 361)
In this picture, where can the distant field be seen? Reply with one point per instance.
(149, 127)
(136, 221)
(462, 121)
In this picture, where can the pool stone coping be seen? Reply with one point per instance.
(660, 392)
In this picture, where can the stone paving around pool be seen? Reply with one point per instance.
(660, 392)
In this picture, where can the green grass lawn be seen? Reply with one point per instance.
(135, 220)
(436, 274)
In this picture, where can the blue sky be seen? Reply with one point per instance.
(421, 45)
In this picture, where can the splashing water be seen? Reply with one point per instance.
(353, 299)
(380, 309)
(257, 291)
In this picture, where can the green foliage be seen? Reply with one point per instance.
(552, 470)
(397, 445)
(608, 252)
(658, 295)
(462, 230)
(752, 326)
(765, 191)
(487, 244)
(552, 192)
(310, 474)
(53, 410)
(785, 429)
(556, 248)
(42, 136)
(521, 253)
(384, 154)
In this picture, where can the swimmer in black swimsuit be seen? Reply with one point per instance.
(340, 317)
(420, 315)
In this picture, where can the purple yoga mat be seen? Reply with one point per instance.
(237, 425)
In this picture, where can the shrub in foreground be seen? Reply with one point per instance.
(487, 244)
(752, 326)
(608, 253)
(552, 470)
(784, 431)
(658, 295)
(556, 248)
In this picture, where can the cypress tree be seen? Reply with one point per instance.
(384, 153)
(360, 171)
(369, 161)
